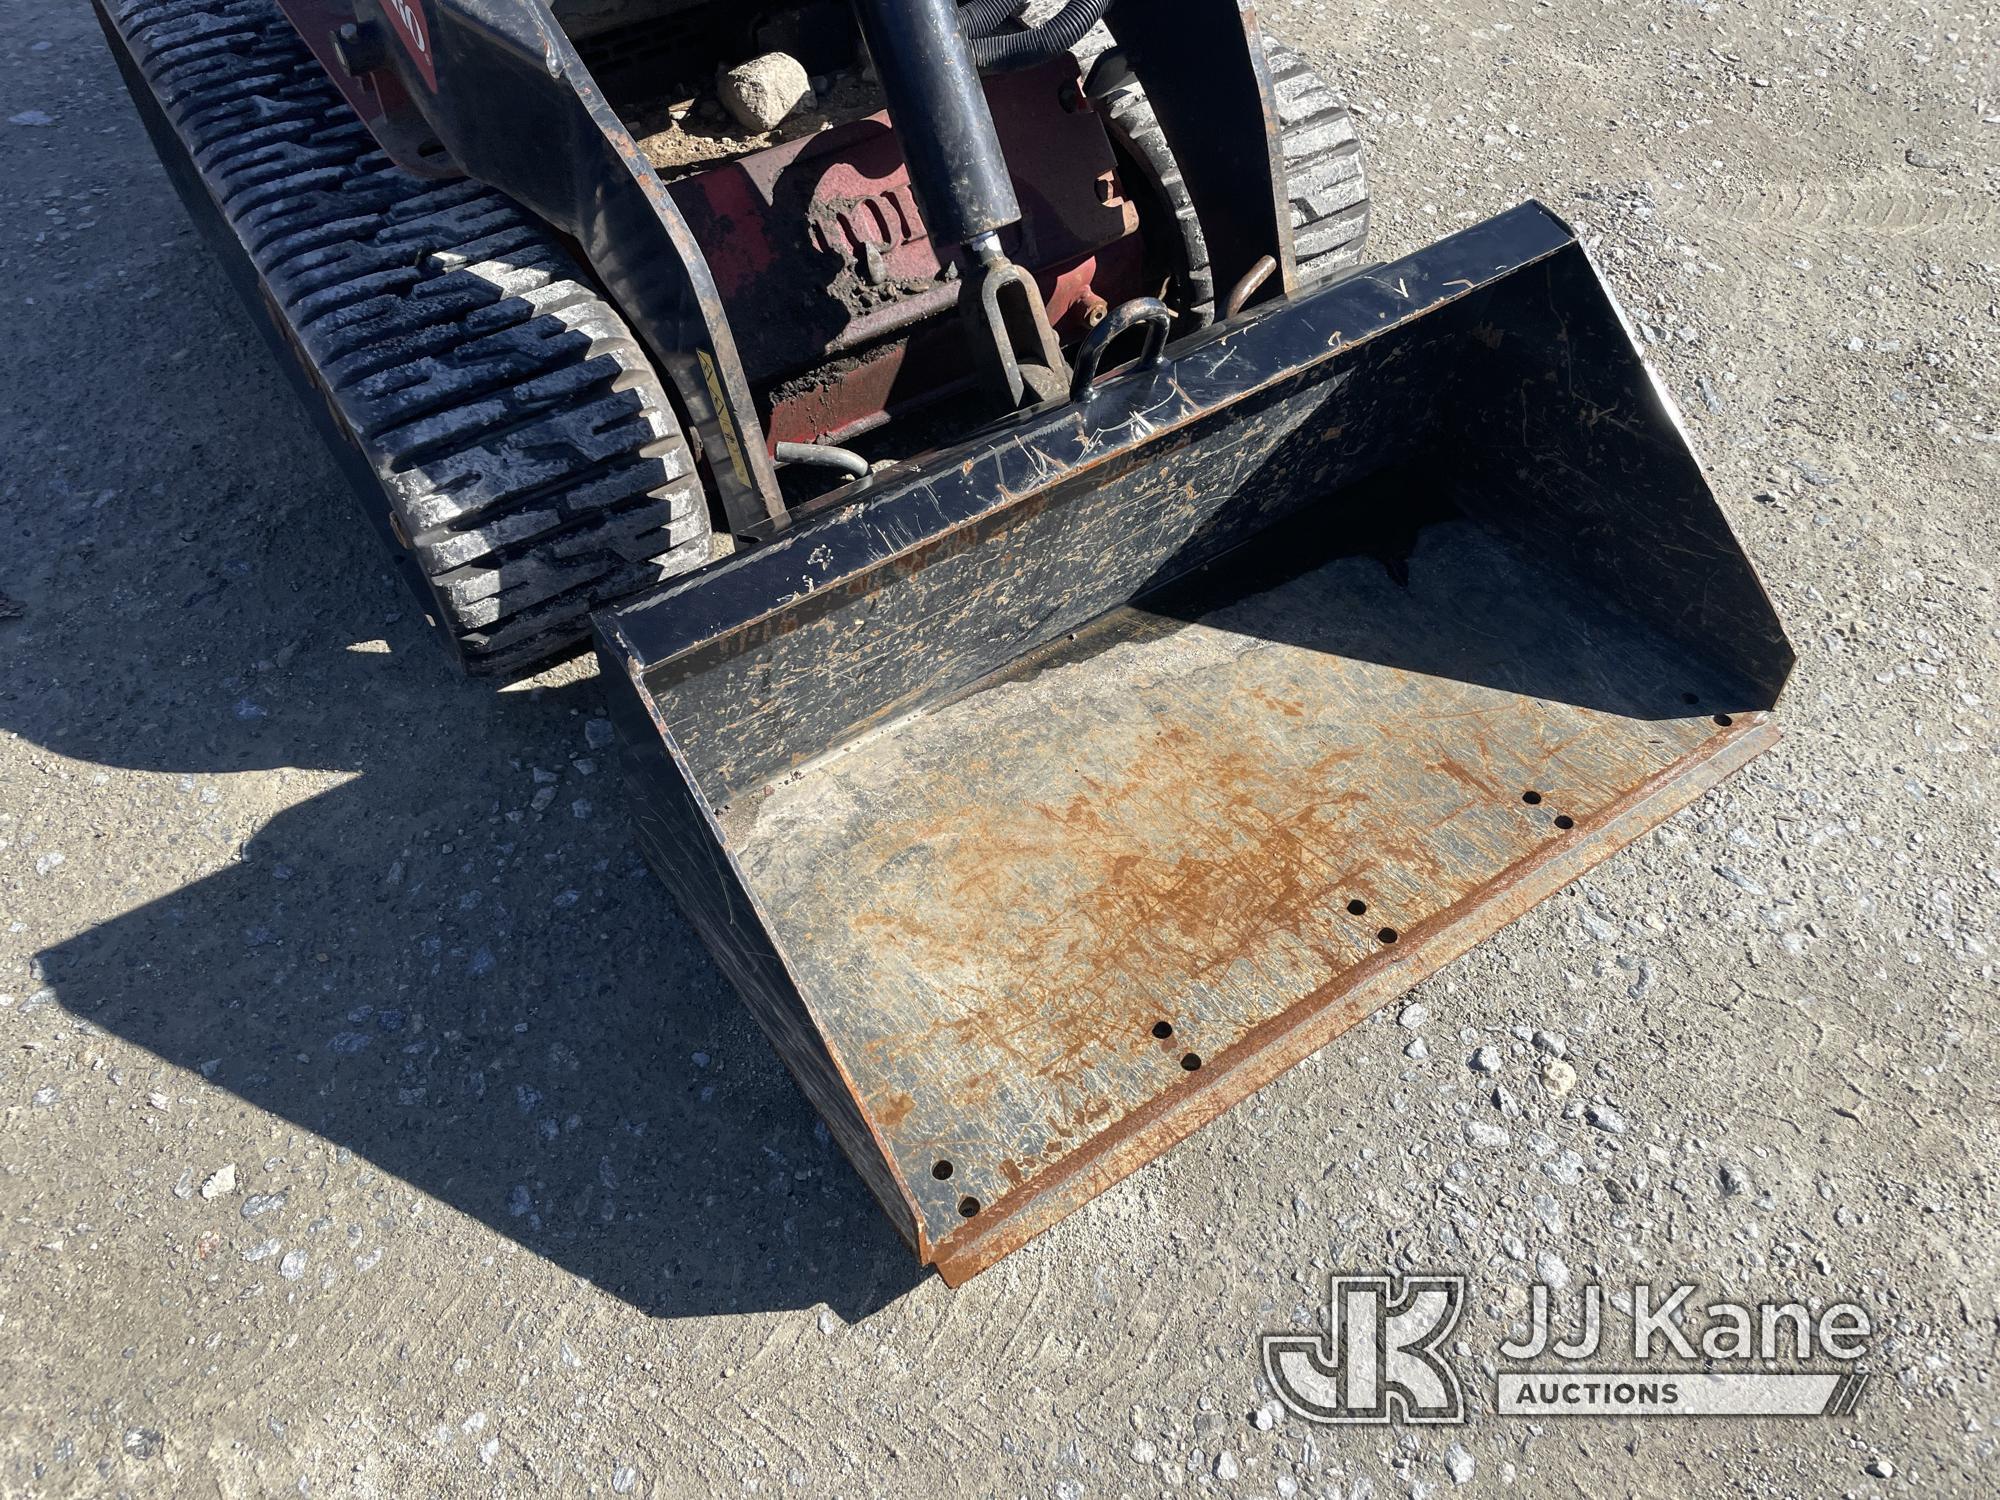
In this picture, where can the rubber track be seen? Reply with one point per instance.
(522, 441)
(1323, 169)
(1324, 177)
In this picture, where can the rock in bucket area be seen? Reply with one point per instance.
(763, 92)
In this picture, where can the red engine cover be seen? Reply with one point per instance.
(840, 303)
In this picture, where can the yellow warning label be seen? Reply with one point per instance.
(713, 379)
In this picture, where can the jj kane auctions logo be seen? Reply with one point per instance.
(1384, 1356)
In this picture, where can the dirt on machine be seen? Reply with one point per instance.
(1082, 635)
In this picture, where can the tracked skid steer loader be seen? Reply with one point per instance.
(1082, 635)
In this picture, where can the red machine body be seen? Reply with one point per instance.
(842, 304)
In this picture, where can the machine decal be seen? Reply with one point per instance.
(408, 20)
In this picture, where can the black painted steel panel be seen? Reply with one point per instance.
(1212, 702)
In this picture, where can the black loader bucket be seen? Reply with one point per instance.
(1052, 796)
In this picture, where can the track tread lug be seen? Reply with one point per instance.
(1324, 175)
(521, 437)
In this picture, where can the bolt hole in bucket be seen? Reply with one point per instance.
(1339, 575)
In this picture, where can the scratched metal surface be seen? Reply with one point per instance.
(994, 905)
(961, 864)
(1493, 359)
(993, 548)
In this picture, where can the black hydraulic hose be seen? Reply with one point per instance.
(1059, 33)
(984, 17)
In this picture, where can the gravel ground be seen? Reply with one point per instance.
(374, 1126)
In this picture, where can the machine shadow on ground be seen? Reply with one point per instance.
(496, 1004)
(583, 1083)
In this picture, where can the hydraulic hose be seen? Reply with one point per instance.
(823, 455)
(984, 17)
(1059, 33)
